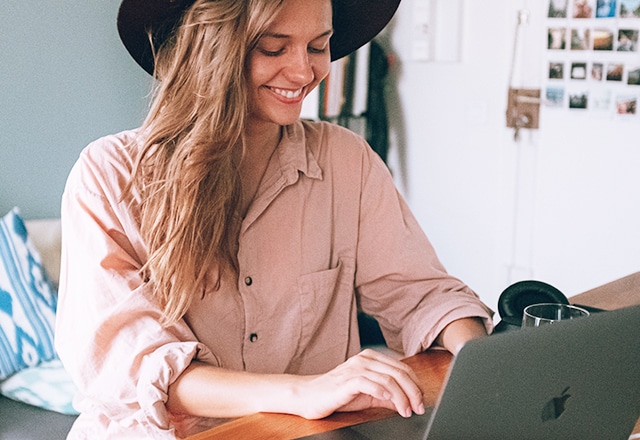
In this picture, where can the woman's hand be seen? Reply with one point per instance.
(369, 379)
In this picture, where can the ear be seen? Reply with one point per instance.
(516, 297)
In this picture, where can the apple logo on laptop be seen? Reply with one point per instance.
(555, 407)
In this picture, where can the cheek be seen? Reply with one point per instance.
(321, 70)
(254, 73)
(259, 70)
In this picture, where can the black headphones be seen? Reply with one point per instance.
(517, 296)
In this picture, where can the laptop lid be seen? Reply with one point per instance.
(578, 379)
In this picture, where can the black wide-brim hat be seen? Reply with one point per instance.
(355, 23)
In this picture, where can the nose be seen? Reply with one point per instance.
(299, 68)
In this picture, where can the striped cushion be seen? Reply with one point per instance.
(27, 300)
(47, 386)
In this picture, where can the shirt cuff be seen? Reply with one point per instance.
(472, 309)
(158, 371)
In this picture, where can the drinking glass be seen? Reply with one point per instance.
(536, 315)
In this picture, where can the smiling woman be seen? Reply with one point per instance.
(222, 251)
(289, 61)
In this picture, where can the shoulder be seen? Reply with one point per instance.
(106, 164)
(337, 145)
(115, 148)
(326, 133)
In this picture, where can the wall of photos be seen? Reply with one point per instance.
(592, 60)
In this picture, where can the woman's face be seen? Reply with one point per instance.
(289, 61)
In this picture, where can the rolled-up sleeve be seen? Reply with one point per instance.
(108, 331)
(399, 278)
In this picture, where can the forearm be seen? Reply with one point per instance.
(459, 332)
(207, 391)
(367, 380)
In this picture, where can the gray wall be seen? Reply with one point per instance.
(65, 80)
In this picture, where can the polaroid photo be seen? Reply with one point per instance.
(583, 8)
(597, 71)
(554, 97)
(606, 8)
(558, 8)
(579, 70)
(626, 104)
(580, 39)
(633, 76)
(627, 40)
(557, 38)
(556, 70)
(615, 71)
(603, 39)
(578, 99)
(629, 8)
(600, 100)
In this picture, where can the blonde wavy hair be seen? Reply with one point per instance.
(186, 174)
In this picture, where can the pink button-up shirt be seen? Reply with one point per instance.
(326, 235)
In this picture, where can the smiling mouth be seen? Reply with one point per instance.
(289, 94)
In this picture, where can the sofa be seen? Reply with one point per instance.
(34, 410)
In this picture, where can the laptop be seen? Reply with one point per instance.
(578, 379)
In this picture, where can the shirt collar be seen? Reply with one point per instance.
(294, 154)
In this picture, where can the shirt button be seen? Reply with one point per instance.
(253, 337)
(248, 281)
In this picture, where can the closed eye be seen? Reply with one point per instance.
(316, 50)
(271, 53)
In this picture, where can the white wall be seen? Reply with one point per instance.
(560, 206)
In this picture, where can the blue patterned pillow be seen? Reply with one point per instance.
(27, 300)
(48, 386)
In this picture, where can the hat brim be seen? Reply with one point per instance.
(355, 23)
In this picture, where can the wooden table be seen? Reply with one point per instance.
(431, 368)
(617, 294)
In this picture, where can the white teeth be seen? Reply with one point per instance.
(287, 93)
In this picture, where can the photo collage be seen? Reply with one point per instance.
(593, 57)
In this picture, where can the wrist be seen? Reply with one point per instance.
(287, 395)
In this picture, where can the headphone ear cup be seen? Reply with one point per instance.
(518, 296)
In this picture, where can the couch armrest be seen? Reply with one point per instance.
(47, 238)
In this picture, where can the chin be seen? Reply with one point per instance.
(283, 119)
(289, 121)
(279, 115)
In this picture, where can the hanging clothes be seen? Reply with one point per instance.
(377, 132)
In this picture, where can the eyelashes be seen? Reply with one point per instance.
(276, 53)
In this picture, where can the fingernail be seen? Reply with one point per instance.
(421, 409)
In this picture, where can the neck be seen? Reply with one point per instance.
(262, 139)
(259, 147)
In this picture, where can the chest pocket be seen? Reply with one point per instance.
(327, 303)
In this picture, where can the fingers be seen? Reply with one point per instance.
(387, 379)
(385, 388)
(376, 355)
(367, 380)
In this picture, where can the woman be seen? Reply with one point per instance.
(215, 259)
